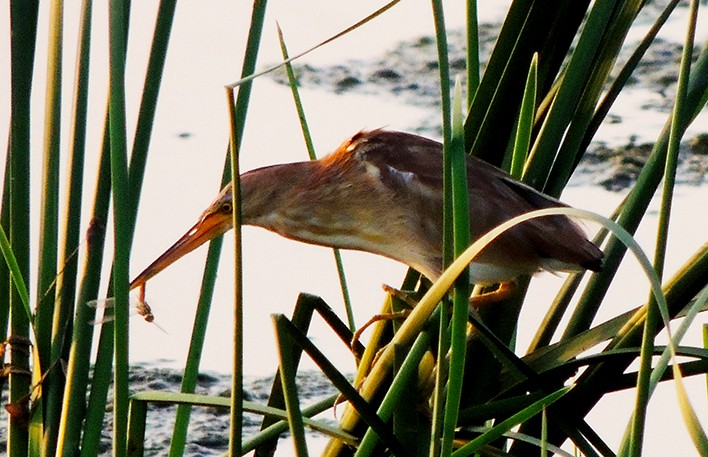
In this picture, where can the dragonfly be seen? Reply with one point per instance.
(139, 306)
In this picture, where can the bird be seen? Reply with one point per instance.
(381, 192)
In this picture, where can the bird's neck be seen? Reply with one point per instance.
(313, 203)
(266, 191)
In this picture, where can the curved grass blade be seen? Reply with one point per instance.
(17, 279)
(638, 201)
(280, 427)
(643, 383)
(419, 316)
(506, 425)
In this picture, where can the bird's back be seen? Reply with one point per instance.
(409, 168)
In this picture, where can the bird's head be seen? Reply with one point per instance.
(263, 191)
(215, 221)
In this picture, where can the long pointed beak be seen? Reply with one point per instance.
(211, 225)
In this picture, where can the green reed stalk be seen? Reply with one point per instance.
(438, 434)
(23, 27)
(236, 429)
(313, 156)
(73, 431)
(148, 102)
(610, 40)
(66, 280)
(118, 16)
(461, 303)
(82, 340)
(288, 370)
(191, 371)
(569, 93)
(645, 368)
(473, 66)
(237, 113)
(522, 139)
(190, 375)
(49, 205)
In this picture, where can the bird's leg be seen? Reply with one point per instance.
(375, 347)
(376, 318)
(403, 296)
(502, 292)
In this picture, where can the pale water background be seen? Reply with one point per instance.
(186, 160)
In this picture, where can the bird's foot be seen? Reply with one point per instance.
(376, 318)
(502, 292)
(401, 295)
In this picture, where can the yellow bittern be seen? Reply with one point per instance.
(381, 192)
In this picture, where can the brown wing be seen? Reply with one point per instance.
(412, 166)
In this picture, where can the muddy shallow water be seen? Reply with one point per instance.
(209, 427)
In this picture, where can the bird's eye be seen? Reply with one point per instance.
(226, 208)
